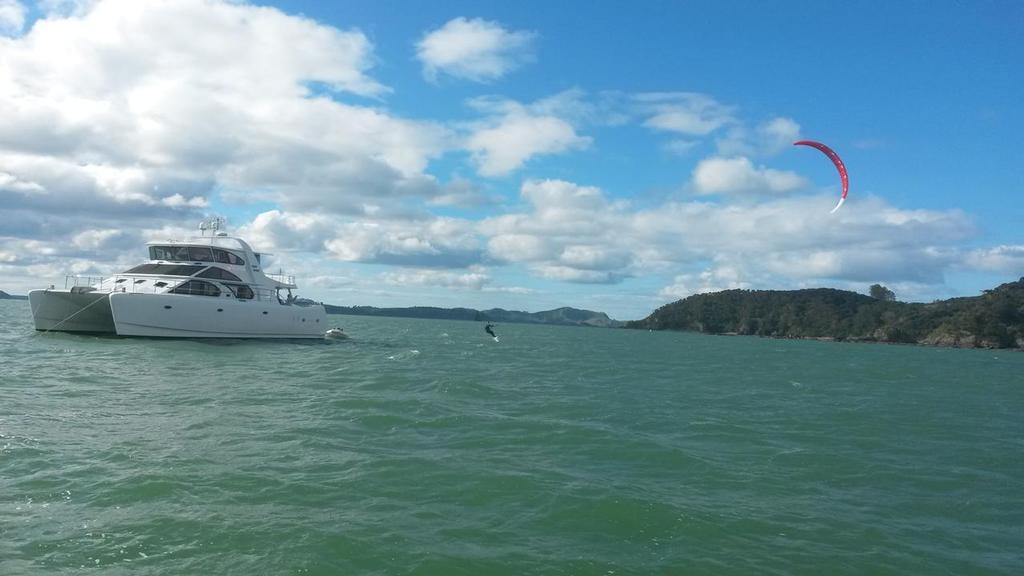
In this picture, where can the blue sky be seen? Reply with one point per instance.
(522, 155)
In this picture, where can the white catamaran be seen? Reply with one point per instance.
(210, 286)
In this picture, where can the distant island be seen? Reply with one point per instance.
(994, 319)
(6, 296)
(558, 316)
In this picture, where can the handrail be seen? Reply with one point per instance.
(73, 280)
(282, 278)
(97, 282)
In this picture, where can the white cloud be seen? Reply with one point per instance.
(684, 113)
(474, 49)
(475, 279)
(514, 133)
(12, 17)
(1006, 259)
(714, 279)
(119, 105)
(98, 239)
(576, 233)
(462, 193)
(12, 182)
(739, 176)
(427, 242)
(778, 133)
(767, 139)
(568, 234)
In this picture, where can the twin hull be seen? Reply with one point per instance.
(173, 315)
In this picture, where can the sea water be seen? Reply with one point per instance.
(425, 447)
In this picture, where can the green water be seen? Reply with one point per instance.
(423, 447)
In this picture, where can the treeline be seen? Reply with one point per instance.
(993, 320)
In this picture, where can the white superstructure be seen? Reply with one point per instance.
(210, 286)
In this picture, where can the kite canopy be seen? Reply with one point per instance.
(835, 160)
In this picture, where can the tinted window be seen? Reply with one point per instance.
(226, 257)
(197, 288)
(165, 269)
(200, 254)
(180, 253)
(219, 274)
(242, 291)
(161, 253)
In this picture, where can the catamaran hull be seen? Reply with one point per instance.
(71, 311)
(179, 316)
(173, 316)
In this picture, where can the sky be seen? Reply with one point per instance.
(526, 155)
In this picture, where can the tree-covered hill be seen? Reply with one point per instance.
(993, 320)
(6, 296)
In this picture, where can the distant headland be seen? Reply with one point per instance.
(558, 316)
(6, 296)
(994, 319)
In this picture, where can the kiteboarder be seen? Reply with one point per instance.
(489, 330)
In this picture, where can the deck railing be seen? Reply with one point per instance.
(282, 278)
(130, 286)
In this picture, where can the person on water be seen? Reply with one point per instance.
(489, 330)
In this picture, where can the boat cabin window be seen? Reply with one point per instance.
(161, 253)
(165, 269)
(226, 257)
(180, 253)
(218, 274)
(194, 254)
(200, 254)
(243, 292)
(197, 288)
(159, 284)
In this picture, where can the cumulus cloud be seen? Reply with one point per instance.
(432, 241)
(12, 17)
(513, 133)
(473, 49)
(568, 233)
(739, 176)
(577, 233)
(121, 105)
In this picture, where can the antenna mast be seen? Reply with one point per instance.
(213, 224)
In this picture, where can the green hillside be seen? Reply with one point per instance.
(994, 319)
